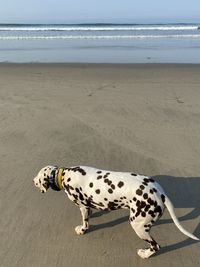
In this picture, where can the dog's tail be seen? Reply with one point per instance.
(170, 208)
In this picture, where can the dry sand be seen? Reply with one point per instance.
(141, 118)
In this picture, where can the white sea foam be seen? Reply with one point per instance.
(98, 37)
(104, 28)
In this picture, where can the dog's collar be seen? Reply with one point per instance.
(55, 179)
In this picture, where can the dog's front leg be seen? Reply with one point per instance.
(85, 212)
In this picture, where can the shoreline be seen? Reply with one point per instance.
(69, 64)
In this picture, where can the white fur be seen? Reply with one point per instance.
(106, 190)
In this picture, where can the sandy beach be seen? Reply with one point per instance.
(141, 118)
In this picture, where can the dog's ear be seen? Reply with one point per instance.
(46, 183)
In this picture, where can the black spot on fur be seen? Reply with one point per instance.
(99, 177)
(120, 184)
(150, 201)
(112, 186)
(163, 198)
(68, 188)
(78, 169)
(154, 190)
(151, 191)
(77, 190)
(112, 205)
(139, 192)
(133, 174)
(158, 210)
(145, 196)
(75, 196)
(110, 191)
(69, 179)
(94, 204)
(45, 185)
(143, 214)
(138, 203)
(71, 187)
(141, 187)
(109, 182)
(97, 191)
(147, 207)
(142, 204)
(81, 196)
(106, 175)
(151, 212)
(137, 213)
(99, 172)
(91, 184)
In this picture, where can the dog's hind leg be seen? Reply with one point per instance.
(142, 230)
(85, 212)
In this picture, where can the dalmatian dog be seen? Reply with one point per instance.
(90, 188)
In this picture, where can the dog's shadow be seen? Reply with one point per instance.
(184, 192)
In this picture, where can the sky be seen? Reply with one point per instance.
(112, 11)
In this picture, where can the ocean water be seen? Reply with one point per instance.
(100, 43)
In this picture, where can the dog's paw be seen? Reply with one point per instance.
(145, 253)
(80, 230)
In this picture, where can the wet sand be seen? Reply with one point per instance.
(141, 118)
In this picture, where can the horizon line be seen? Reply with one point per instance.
(101, 23)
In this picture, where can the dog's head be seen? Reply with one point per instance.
(43, 178)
